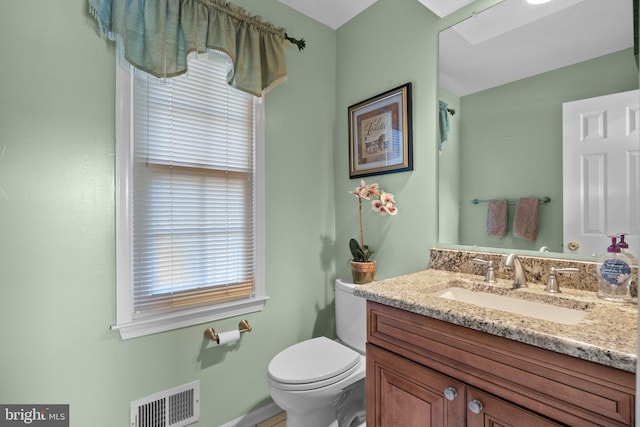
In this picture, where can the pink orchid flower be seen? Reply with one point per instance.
(385, 205)
(382, 202)
(365, 191)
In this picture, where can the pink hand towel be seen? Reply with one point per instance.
(497, 218)
(525, 221)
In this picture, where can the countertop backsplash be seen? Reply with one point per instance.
(536, 268)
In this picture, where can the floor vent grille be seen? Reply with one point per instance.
(176, 407)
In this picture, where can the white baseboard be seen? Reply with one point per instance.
(254, 417)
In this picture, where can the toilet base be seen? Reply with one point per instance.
(304, 421)
(313, 419)
(347, 409)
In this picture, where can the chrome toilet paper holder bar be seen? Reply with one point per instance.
(211, 334)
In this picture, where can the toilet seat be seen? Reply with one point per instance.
(312, 364)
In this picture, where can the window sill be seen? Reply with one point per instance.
(169, 321)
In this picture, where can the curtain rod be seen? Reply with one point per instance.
(542, 200)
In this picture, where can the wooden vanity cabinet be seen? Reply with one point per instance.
(425, 372)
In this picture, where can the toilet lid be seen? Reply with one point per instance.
(311, 361)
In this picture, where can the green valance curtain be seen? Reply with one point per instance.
(158, 35)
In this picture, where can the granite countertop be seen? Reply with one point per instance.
(607, 335)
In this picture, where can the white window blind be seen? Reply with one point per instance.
(193, 189)
(189, 199)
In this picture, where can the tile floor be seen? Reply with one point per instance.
(277, 421)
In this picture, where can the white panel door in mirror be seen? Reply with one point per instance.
(601, 175)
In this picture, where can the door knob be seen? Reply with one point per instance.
(475, 406)
(573, 246)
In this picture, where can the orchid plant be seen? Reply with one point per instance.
(382, 203)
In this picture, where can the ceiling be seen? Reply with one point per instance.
(498, 45)
(334, 13)
(514, 40)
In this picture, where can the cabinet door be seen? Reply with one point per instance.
(485, 410)
(403, 393)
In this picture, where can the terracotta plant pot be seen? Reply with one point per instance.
(363, 272)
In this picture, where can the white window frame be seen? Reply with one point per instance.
(126, 323)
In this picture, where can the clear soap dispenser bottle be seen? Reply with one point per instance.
(614, 274)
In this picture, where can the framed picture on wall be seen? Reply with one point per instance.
(380, 139)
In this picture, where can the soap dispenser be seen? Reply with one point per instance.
(614, 274)
(624, 247)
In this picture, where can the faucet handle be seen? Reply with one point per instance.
(552, 282)
(491, 273)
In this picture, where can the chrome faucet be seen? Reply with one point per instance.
(519, 278)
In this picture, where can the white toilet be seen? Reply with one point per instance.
(320, 382)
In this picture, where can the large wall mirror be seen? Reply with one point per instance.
(504, 74)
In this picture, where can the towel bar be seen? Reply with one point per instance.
(543, 200)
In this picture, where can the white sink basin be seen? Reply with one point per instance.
(538, 310)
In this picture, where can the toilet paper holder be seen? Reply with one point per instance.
(211, 334)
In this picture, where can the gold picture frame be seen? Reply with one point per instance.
(380, 134)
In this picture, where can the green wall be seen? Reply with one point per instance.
(57, 243)
(511, 144)
(391, 43)
(57, 268)
(449, 176)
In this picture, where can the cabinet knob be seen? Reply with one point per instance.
(475, 406)
(450, 393)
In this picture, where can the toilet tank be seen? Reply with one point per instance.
(351, 325)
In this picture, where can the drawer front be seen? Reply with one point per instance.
(484, 409)
(561, 387)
